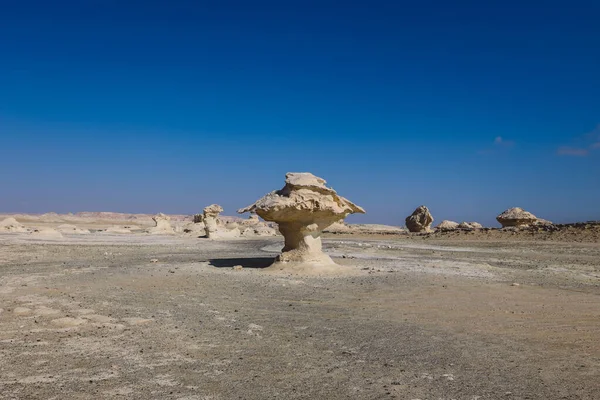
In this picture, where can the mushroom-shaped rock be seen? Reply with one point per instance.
(302, 209)
(420, 220)
(163, 224)
(446, 224)
(210, 220)
(516, 217)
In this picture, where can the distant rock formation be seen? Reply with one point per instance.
(303, 208)
(446, 224)
(420, 220)
(198, 218)
(470, 225)
(338, 227)
(341, 227)
(516, 216)
(11, 225)
(163, 225)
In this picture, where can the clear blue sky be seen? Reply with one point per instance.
(468, 107)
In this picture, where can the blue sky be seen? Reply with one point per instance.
(470, 108)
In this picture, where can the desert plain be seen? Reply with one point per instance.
(463, 314)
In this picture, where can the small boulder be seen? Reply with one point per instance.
(420, 220)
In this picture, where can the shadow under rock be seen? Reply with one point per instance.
(255, 262)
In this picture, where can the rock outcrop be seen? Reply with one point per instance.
(420, 220)
(446, 224)
(11, 225)
(516, 216)
(303, 208)
(163, 225)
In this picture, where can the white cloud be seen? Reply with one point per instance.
(500, 141)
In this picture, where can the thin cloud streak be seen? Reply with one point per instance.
(572, 151)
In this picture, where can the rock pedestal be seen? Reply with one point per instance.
(302, 209)
(210, 220)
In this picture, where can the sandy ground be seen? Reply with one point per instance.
(140, 316)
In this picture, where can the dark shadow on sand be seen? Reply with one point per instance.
(256, 262)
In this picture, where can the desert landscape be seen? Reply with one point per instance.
(206, 306)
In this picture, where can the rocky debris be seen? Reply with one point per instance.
(420, 220)
(303, 208)
(11, 225)
(516, 216)
(446, 224)
(72, 229)
(46, 233)
(470, 225)
(163, 225)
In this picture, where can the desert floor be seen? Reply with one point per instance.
(137, 316)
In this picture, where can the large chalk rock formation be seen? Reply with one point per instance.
(420, 220)
(302, 209)
(516, 216)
